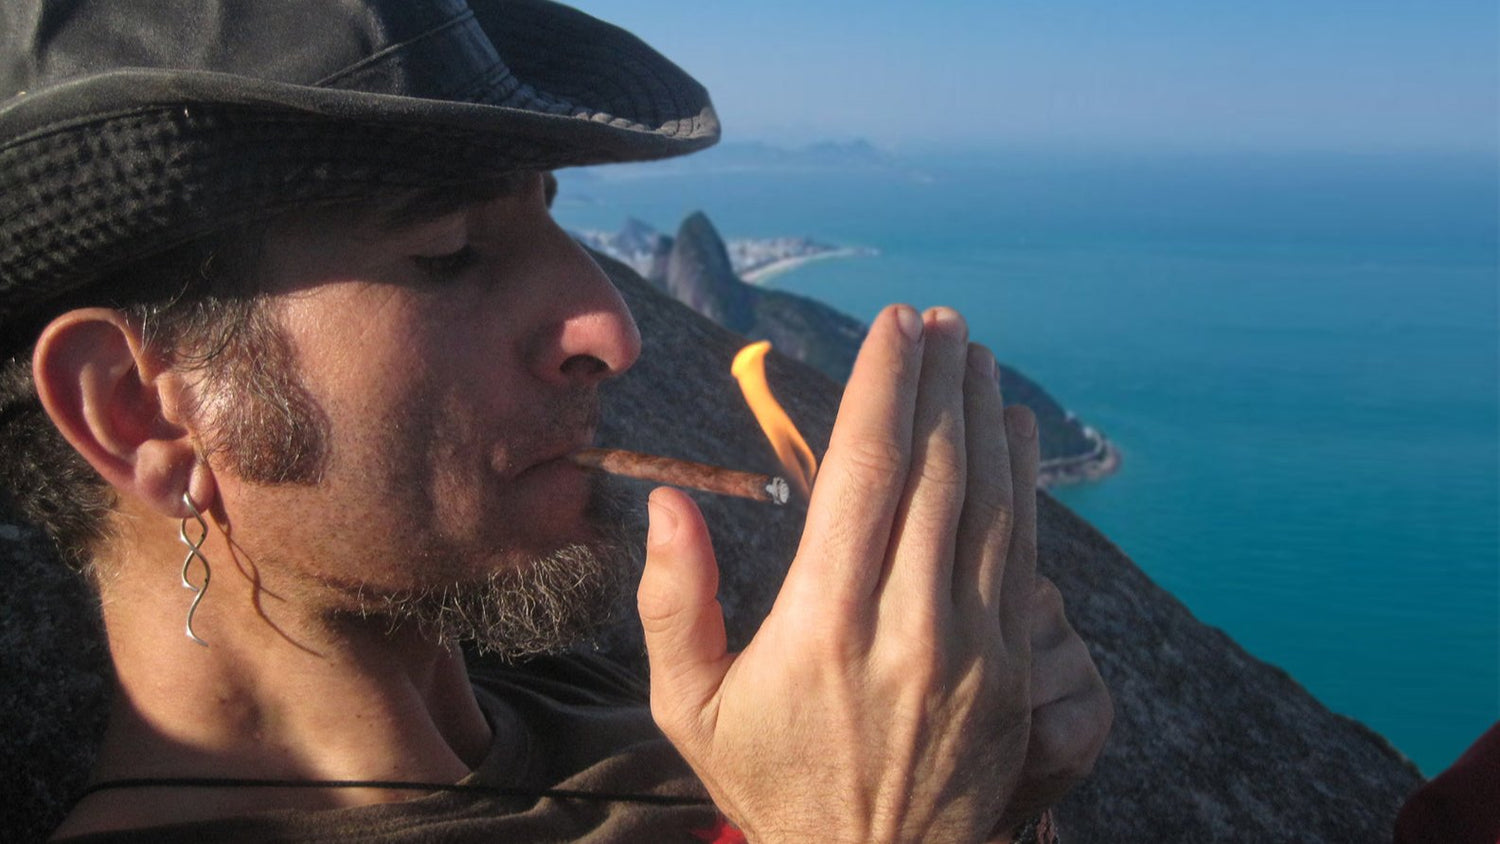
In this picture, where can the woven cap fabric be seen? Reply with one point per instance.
(132, 131)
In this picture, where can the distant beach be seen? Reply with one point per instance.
(764, 272)
(1098, 463)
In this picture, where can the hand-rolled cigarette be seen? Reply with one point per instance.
(684, 473)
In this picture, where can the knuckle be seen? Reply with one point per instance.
(1062, 667)
(658, 609)
(942, 466)
(1069, 735)
(1048, 598)
(1020, 417)
(833, 644)
(990, 491)
(928, 675)
(1057, 649)
(930, 520)
(915, 658)
(917, 663)
(874, 459)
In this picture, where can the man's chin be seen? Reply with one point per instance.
(529, 603)
(546, 605)
(542, 518)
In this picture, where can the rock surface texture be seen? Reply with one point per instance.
(1209, 743)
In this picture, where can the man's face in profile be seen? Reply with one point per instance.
(450, 363)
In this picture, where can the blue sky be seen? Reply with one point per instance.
(1185, 75)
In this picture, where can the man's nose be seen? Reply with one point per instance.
(591, 335)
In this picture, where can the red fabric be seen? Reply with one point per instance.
(722, 832)
(1046, 829)
(1462, 804)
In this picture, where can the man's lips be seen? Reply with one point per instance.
(552, 456)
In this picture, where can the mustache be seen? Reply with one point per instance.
(583, 411)
(562, 426)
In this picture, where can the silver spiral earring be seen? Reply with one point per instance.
(193, 547)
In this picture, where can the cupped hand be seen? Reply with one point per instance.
(888, 694)
(1071, 711)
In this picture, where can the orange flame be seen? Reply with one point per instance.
(749, 368)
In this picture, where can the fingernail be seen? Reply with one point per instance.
(951, 318)
(662, 525)
(910, 323)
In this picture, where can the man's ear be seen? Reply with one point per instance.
(120, 408)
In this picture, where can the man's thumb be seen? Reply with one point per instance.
(680, 615)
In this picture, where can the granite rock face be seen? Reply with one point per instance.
(1209, 743)
(54, 680)
(701, 276)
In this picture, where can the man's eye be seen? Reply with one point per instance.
(446, 268)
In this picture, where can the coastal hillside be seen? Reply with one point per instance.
(698, 268)
(1209, 744)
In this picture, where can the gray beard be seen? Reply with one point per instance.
(549, 604)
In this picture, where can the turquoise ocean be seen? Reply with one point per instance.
(1296, 354)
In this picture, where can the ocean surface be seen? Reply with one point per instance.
(1297, 356)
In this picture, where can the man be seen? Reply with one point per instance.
(289, 325)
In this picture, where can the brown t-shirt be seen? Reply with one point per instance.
(577, 723)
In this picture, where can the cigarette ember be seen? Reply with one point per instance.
(684, 473)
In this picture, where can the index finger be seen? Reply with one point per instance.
(848, 530)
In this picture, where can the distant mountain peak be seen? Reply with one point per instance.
(700, 274)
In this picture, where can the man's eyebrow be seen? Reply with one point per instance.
(428, 204)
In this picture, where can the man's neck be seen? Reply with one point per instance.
(278, 693)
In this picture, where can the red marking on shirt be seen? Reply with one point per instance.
(722, 832)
